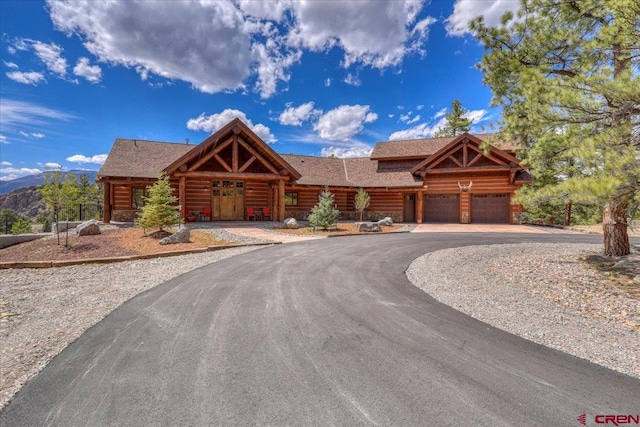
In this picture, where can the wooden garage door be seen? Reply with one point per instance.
(441, 208)
(490, 208)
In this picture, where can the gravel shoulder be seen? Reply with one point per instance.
(43, 312)
(541, 292)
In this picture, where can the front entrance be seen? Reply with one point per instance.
(409, 214)
(227, 199)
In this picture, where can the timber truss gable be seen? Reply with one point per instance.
(234, 152)
(466, 154)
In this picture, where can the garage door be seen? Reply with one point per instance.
(441, 208)
(490, 208)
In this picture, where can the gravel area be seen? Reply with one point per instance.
(42, 313)
(541, 292)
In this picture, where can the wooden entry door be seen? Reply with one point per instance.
(228, 199)
(409, 214)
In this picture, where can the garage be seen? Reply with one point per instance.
(441, 208)
(490, 208)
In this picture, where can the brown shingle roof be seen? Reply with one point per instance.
(422, 148)
(141, 159)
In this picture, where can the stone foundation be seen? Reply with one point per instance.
(123, 215)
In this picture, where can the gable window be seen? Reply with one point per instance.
(137, 197)
(290, 198)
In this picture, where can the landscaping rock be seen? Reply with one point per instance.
(88, 228)
(368, 226)
(388, 221)
(181, 236)
(291, 223)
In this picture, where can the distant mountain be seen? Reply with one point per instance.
(37, 180)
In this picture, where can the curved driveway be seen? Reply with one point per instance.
(326, 332)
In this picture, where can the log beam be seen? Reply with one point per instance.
(231, 175)
(106, 214)
(419, 207)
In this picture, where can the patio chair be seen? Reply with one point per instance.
(206, 214)
(266, 213)
(251, 214)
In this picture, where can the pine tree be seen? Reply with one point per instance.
(159, 210)
(457, 124)
(361, 200)
(563, 72)
(324, 214)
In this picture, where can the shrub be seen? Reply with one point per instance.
(324, 214)
(21, 226)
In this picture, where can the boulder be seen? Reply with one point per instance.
(368, 226)
(291, 223)
(388, 221)
(88, 228)
(181, 236)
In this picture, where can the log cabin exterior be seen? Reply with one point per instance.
(450, 179)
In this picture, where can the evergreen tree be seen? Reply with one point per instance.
(59, 190)
(563, 71)
(160, 208)
(7, 218)
(362, 200)
(324, 214)
(457, 124)
(21, 226)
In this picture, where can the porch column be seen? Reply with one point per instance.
(274, 201)
(281, 200)
(106, 214)
(182, 196)
(419, 207)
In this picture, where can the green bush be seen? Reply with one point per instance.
(324, 214)
(159, 210)
(21, 226)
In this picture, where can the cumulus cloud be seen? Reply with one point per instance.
(295, 116)
(10, 173)
(203, 43)
(52, 165)
(272, 66)
(93, 73)
(464, 11)
(357, 150)
(344, 122)
(377, 34)
(3, 163)
(352, 80)
(426, 130)
(3, 139)
(476, 116)
(98, 159)
(28, 78)
(214, 122)
(51, 55)
(11, 65)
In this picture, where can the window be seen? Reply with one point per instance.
(137, 197)
(290, 198)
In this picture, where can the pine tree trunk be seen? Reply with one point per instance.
(567, 214)
(614, 227)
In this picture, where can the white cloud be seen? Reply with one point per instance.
(26, 113)
(214, 122)
(32, 134)
(466, 10)
(420, 107)
(377, 34)
(52, 165)
(327, 82)
(51, 55)
(425, 130)
(476, 116)
(98, 159)
(344, 122)
(357, 150)
(203, 43)
(3, 139)
(414, 120)
(13, 173)
(352, 80)
(272, 66)
(28, 78)
(294, 116)
(11, 65)
(93, 73)
(3, 163)
(440, 113)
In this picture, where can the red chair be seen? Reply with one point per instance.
(206, 214)
(266, 213)
(251, 214)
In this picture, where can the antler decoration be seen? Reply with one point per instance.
(466, 187)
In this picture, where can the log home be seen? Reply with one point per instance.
(233, 172)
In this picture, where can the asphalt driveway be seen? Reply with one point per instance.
(326, 332)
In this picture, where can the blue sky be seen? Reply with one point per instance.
(315, 77)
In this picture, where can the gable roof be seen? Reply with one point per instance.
(253, 141)
(423, 148)
(140, 159)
